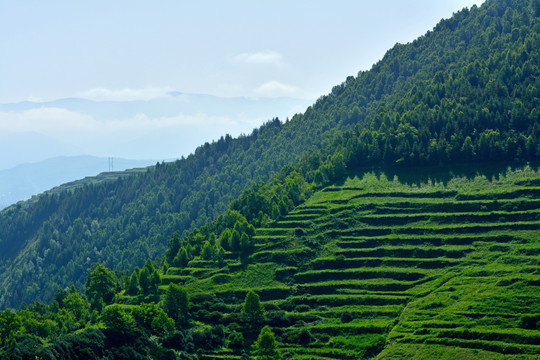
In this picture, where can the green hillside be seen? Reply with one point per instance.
(375, 264)
(466, 91)
(368, 267)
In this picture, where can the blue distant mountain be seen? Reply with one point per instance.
(173, 125)
(172, 105)
(25, 180)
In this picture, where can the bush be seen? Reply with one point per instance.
(530, 322)
(175, 341)
(346, 317)
(302, 308)
(302, 336)
(278, 319)
(236, 341)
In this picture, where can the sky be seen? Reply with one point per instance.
(107, 50)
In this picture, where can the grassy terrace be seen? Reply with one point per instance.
(383, 269)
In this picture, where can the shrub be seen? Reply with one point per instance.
(302, 308)
(236, 341)
(278, 319)
(530, 322)
(346, 317)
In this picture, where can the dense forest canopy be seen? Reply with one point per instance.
(468, 90)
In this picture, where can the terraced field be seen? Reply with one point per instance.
(377, 268)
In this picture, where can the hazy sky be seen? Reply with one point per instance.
(141, 49)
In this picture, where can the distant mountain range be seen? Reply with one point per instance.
(171, 105)
(25, 180)
(159, 128)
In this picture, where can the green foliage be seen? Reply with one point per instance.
(252, 310)
(176, 303)
(266, 347)
(77, 304)
(152, 318)
(182, 258)
(349, 299)
(133, 283)
(100, 285)
(116, 318)
(149, 279)
(9, 324)
(430, 267)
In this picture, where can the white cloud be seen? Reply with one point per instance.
(143, 123)
(46, 120)
(126, 94)
(76, 127)
(275, 88)
(266, 57)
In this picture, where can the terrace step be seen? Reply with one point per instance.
(362, 242)
(273, 231)
(374, 262)
(449, 207)
(293, 224)
(406, 252)
(330, 287)
(438, 230)
(359, 273)
(495, 346)
(348, 299)
(302, 217)
(532, 192)
(394, 194)
(450, 218)
(521, 336)
(311, 352)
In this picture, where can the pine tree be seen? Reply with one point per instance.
(182, 259)
(133, 284)
(266, 347)
(176, 303)
(252, 310)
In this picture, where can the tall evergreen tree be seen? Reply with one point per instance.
(266, 347)
(252, 310)
(176, 303)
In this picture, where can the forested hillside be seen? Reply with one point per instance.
(369, 266)
(467, 91)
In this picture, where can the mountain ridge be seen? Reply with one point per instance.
(26, 180)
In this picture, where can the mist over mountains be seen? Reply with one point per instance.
(165, 127)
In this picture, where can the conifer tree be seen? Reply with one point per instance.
(133, 283)
(266, 347)
(252, 310)
(176, 303)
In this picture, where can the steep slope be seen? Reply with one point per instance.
(367, 267)
(370, 264)
(466, 91)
